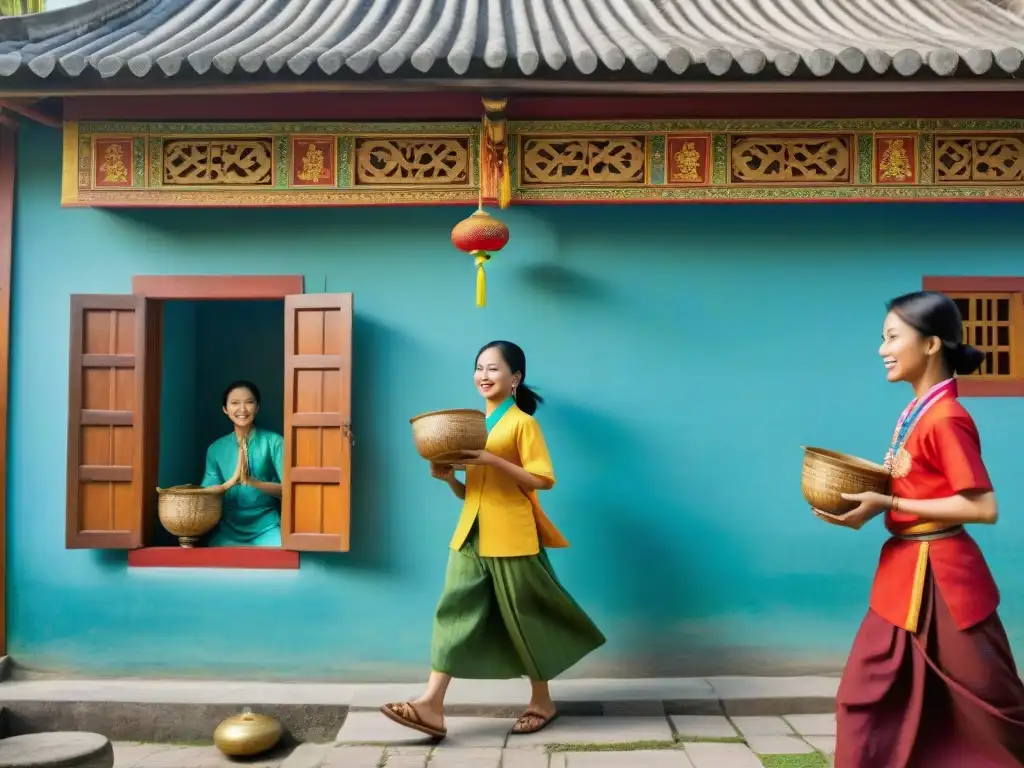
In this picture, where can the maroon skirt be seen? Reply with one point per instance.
(937, 698)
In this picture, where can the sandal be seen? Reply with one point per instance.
(540, 722)
(404, 713)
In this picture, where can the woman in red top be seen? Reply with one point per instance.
(931, 681)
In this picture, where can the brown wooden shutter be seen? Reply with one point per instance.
(111, 474)
(315, 497)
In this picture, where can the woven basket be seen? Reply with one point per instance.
(187, 511)
(827, 474)
(441, 436)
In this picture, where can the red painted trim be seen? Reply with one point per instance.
(370, 106)
(260, 558)
(973, 284)
(216, 286)
(990, 388)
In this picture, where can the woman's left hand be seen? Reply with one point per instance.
(871, 505)
(476, 457)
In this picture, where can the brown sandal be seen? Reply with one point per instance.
(404, 713)
(543, 721)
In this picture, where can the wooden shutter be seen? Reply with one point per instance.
(111, 476)
(317, 422)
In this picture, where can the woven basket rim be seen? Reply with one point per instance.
(447, 411)
(190, 490)
(848, 459)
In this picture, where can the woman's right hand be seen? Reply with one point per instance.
(444, 472)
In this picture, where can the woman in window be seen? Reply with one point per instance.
(930, 681)
(247, 464)
(502, 614)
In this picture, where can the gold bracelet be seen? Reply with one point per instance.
(895, 503)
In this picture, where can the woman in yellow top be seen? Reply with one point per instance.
(502, 614)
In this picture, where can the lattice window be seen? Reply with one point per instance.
(989, 320)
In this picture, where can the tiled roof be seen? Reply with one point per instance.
(635, 39)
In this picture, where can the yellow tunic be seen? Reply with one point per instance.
(511, 521)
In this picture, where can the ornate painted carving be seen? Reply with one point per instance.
(791, 160)
(219, 162)
(979, 159)
(689, 159)
(595, 160)
(414, 161)
(896, 159)
(185, 164)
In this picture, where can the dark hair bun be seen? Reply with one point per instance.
(965, 359)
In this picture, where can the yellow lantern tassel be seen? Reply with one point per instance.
(505, 187)
(481, 278)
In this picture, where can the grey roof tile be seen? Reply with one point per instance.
(514, 38)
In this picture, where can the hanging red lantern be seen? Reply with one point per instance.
(478, 235)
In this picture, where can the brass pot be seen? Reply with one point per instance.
(247, 734)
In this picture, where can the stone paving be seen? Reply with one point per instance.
(369, 740)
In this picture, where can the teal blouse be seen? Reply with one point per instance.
(250, 518)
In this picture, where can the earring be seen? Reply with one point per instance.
(514, 388)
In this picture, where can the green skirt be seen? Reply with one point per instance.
(506, 617)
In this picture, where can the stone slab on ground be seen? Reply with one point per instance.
(525, 757)
(597, 730)
(693, 727)
(813, 725)
(761, 726)
(779, 745)
(826, 744)
(722, 756)
(351, 757)
(473, 757)
(57, 750)
(135, 755)
(375, 728)
(665, 758)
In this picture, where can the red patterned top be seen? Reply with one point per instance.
(944, 452)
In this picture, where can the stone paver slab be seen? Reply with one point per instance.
(762, 726)
(473, 757)
(128, 754)
(779, 745)
(175, 756)
(308, 756)
(826, 744)
(353, 757)
(813, 725)
(64, 748)
(703, 727)
(708, 755)
(406, 758)
(524, 757)
(597, 730)
(374, 728)
(662, 758)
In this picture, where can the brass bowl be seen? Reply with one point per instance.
(247, 734)
(829, 474)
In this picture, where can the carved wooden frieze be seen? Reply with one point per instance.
(553, 161)
(269, 164)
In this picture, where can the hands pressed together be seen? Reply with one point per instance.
(241, 475)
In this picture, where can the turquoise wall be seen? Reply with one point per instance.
(686, 353)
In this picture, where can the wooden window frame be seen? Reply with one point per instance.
(149, 292)
(982, 387)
